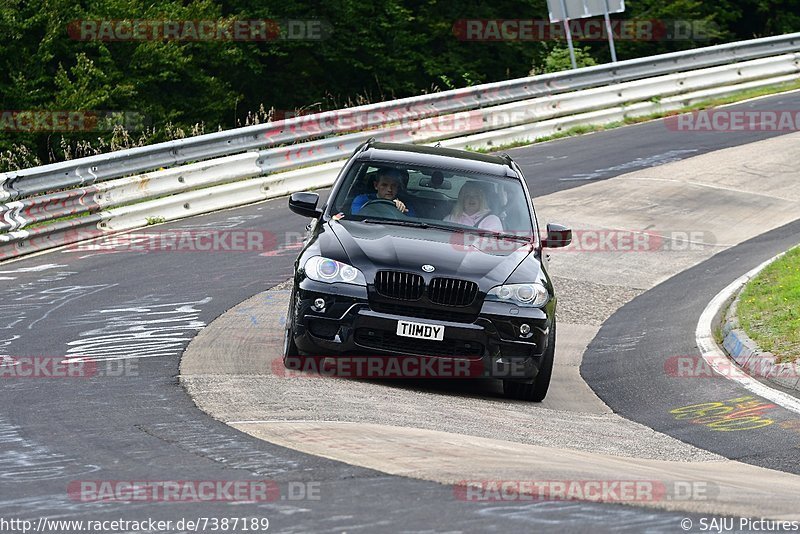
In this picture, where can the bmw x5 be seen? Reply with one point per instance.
(427, 252)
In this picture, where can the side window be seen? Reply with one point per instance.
(350, 189)
(516, 214)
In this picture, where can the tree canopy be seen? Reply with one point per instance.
(369, 52)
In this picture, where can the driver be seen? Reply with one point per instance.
(387, 186)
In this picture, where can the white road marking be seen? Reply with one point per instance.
(81, 291)
(146, 328)
(651, 161)
(24, 460)
(35, 269)
(720, 362)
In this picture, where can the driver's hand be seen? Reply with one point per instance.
(400, 206)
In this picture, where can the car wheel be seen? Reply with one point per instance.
(292, 359)
(537, 391)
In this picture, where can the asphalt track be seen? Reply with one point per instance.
(632, 362)
(142, 426)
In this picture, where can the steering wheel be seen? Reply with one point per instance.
(381, 207)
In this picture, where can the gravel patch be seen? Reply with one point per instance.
(583, 302)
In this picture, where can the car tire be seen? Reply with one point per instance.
(537, 391)
(292, 359)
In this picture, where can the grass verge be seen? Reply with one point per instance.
(769, 307)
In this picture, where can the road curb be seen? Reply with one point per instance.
(746, 352)
(717, 357)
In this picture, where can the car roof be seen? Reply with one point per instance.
(438, 157)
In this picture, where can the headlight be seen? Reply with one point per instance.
(530, 295)
(330, 271)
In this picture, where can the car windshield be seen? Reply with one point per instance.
(455, 200)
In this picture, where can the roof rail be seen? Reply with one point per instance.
(363, 146)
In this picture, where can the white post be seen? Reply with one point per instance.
(569, 35)
(610, 34)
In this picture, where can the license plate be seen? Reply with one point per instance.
(420, 330)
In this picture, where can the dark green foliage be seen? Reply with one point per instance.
(375, 51)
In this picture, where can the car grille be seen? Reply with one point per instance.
(388, 341)
(399, 285)
(452, 292)
(424, 313)
(409, 286)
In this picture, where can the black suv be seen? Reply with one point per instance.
(426, 253)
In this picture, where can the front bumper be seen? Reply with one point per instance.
(489, 345)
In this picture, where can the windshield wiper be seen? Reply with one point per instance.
(459, 229)
(491, 233)
(397, 222)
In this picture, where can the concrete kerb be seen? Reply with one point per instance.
(716, 357)
(745, 351)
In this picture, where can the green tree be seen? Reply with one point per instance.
(558, 59)
(372, 52)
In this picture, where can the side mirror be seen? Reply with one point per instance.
(558, 236)
(305, 204)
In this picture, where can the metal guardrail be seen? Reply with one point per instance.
(89, 185)
(108, 194)
(530, 110)
(93, 169)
